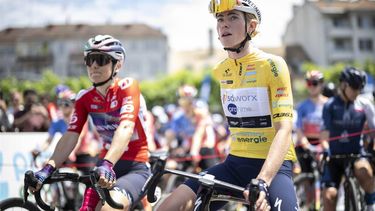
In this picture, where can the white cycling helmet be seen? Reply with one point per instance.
(108, 45)
(247, 6)
(105, 44)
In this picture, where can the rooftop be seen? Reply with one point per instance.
(78, 31)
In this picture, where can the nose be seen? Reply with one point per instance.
(94, 65)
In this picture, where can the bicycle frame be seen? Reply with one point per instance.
(207, 191)
(354, 197)
(311, 176)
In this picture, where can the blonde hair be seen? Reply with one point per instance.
(250, 17)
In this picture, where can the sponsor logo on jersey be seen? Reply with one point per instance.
(251, 73)
(255, 139)
(106, 127)
(125, 83)
(250, 122)
(279, 115)
(114, 104)
(226, 81)
(232, 108)
(74, 119)
(281, 92)
(248, 81)
(94, 107)
(239, 98)
(227, 73)
(250, 67)
(274, 69)
(96, 99)
(282, 104)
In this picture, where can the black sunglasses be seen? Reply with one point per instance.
(312, 82)
(100, 59)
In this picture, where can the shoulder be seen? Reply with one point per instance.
(83, 92)
(331, 101)
(276, 63)
(365, 102)
(220, 67)
(303, 104)
(127, 82)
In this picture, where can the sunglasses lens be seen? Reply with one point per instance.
(100, 59)
(64, 103)
(312, 83)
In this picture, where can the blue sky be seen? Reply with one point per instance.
(185, 22)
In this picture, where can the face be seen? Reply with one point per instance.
(314, 87)
(99, 67)
(230, 27)
(351, 93)
(66, 106)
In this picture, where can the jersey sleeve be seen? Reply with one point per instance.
(327, 116)
(300, 115)
(370, 114)
(280, 90)
(130, 94)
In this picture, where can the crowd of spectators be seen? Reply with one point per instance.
(23, 112)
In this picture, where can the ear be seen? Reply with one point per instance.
(252, 26)
(118, 65)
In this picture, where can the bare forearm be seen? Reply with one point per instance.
(63, 148)
(120, 142)
(276, 154)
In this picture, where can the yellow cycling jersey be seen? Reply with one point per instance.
(255, 93)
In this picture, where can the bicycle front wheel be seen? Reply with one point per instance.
(17, 204)
(353, 196)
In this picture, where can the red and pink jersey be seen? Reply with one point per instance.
(122, 102)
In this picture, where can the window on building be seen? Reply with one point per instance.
(366, 45)
(364, 22)
(343, 44)
(341, 21)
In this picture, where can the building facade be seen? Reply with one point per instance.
(329, 31)
(26, 52)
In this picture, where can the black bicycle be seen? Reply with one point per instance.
(311, 179)
(208, 190)
(353, 193)
(88, 180)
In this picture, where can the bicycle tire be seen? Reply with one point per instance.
(10, 203)
(352, 195)
(299, 181)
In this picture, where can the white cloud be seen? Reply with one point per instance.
(186, 23)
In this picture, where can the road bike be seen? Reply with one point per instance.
(309, 179)
(210, 189)
(30, 180)
(353, 193)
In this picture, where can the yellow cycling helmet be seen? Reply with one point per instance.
(247, 6)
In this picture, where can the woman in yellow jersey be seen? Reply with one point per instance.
(257, 100)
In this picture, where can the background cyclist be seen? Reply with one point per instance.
(114, 105)
(191, 130)
(343, 115)
(309, 123)
(258, 104)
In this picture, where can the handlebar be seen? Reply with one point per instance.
(253, 193)
(89, 180)
(205, 179)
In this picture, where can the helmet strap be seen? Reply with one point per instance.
(243, 43)
(113, 74)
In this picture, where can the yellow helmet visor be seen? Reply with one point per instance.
(217, 6)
